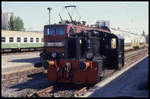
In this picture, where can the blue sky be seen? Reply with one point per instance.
(131, 15)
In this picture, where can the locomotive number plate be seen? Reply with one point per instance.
(55, 44)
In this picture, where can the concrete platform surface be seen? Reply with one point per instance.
(12, 63)
(132, 83)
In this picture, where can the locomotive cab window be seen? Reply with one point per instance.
(18, 39)
(3, 39)
(11, 39)
(49, 31)
(113, 43)
(60, 31)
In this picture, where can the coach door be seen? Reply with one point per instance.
(112, 47)
(116, 57)
(113, 54)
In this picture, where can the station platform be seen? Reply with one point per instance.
(17, 62)
(132, 83)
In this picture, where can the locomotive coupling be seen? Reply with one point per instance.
(68, 67)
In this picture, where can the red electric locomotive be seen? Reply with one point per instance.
(75, 53)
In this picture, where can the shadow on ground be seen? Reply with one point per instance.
(37, 81)
(28, 60)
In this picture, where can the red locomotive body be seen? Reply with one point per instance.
(56, 34)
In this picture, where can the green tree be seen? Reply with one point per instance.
(12, 23)
(19, 24)
(16, 24)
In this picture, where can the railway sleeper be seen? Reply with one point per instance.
(38, 93)
(80, 92)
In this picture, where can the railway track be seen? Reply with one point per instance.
(35, 51)
(38, 93)
(37, 81)
(52, 89)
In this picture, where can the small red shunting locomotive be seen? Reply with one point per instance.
(75, 53)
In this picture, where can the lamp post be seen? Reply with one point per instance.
(49, 9)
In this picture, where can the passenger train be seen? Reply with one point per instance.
(20, 41)
(132, 40)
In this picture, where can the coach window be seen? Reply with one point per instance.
(11, 39)
(37, 39)
(31, 39)
(18, 39)
(3, 39)
(113, 43)
(25, 39)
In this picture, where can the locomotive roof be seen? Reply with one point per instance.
(56, 25)
(65, 25)
(84, 26)
(116, 35)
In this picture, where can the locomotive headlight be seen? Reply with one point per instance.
(54, 55)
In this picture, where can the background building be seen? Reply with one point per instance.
(5, 18)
